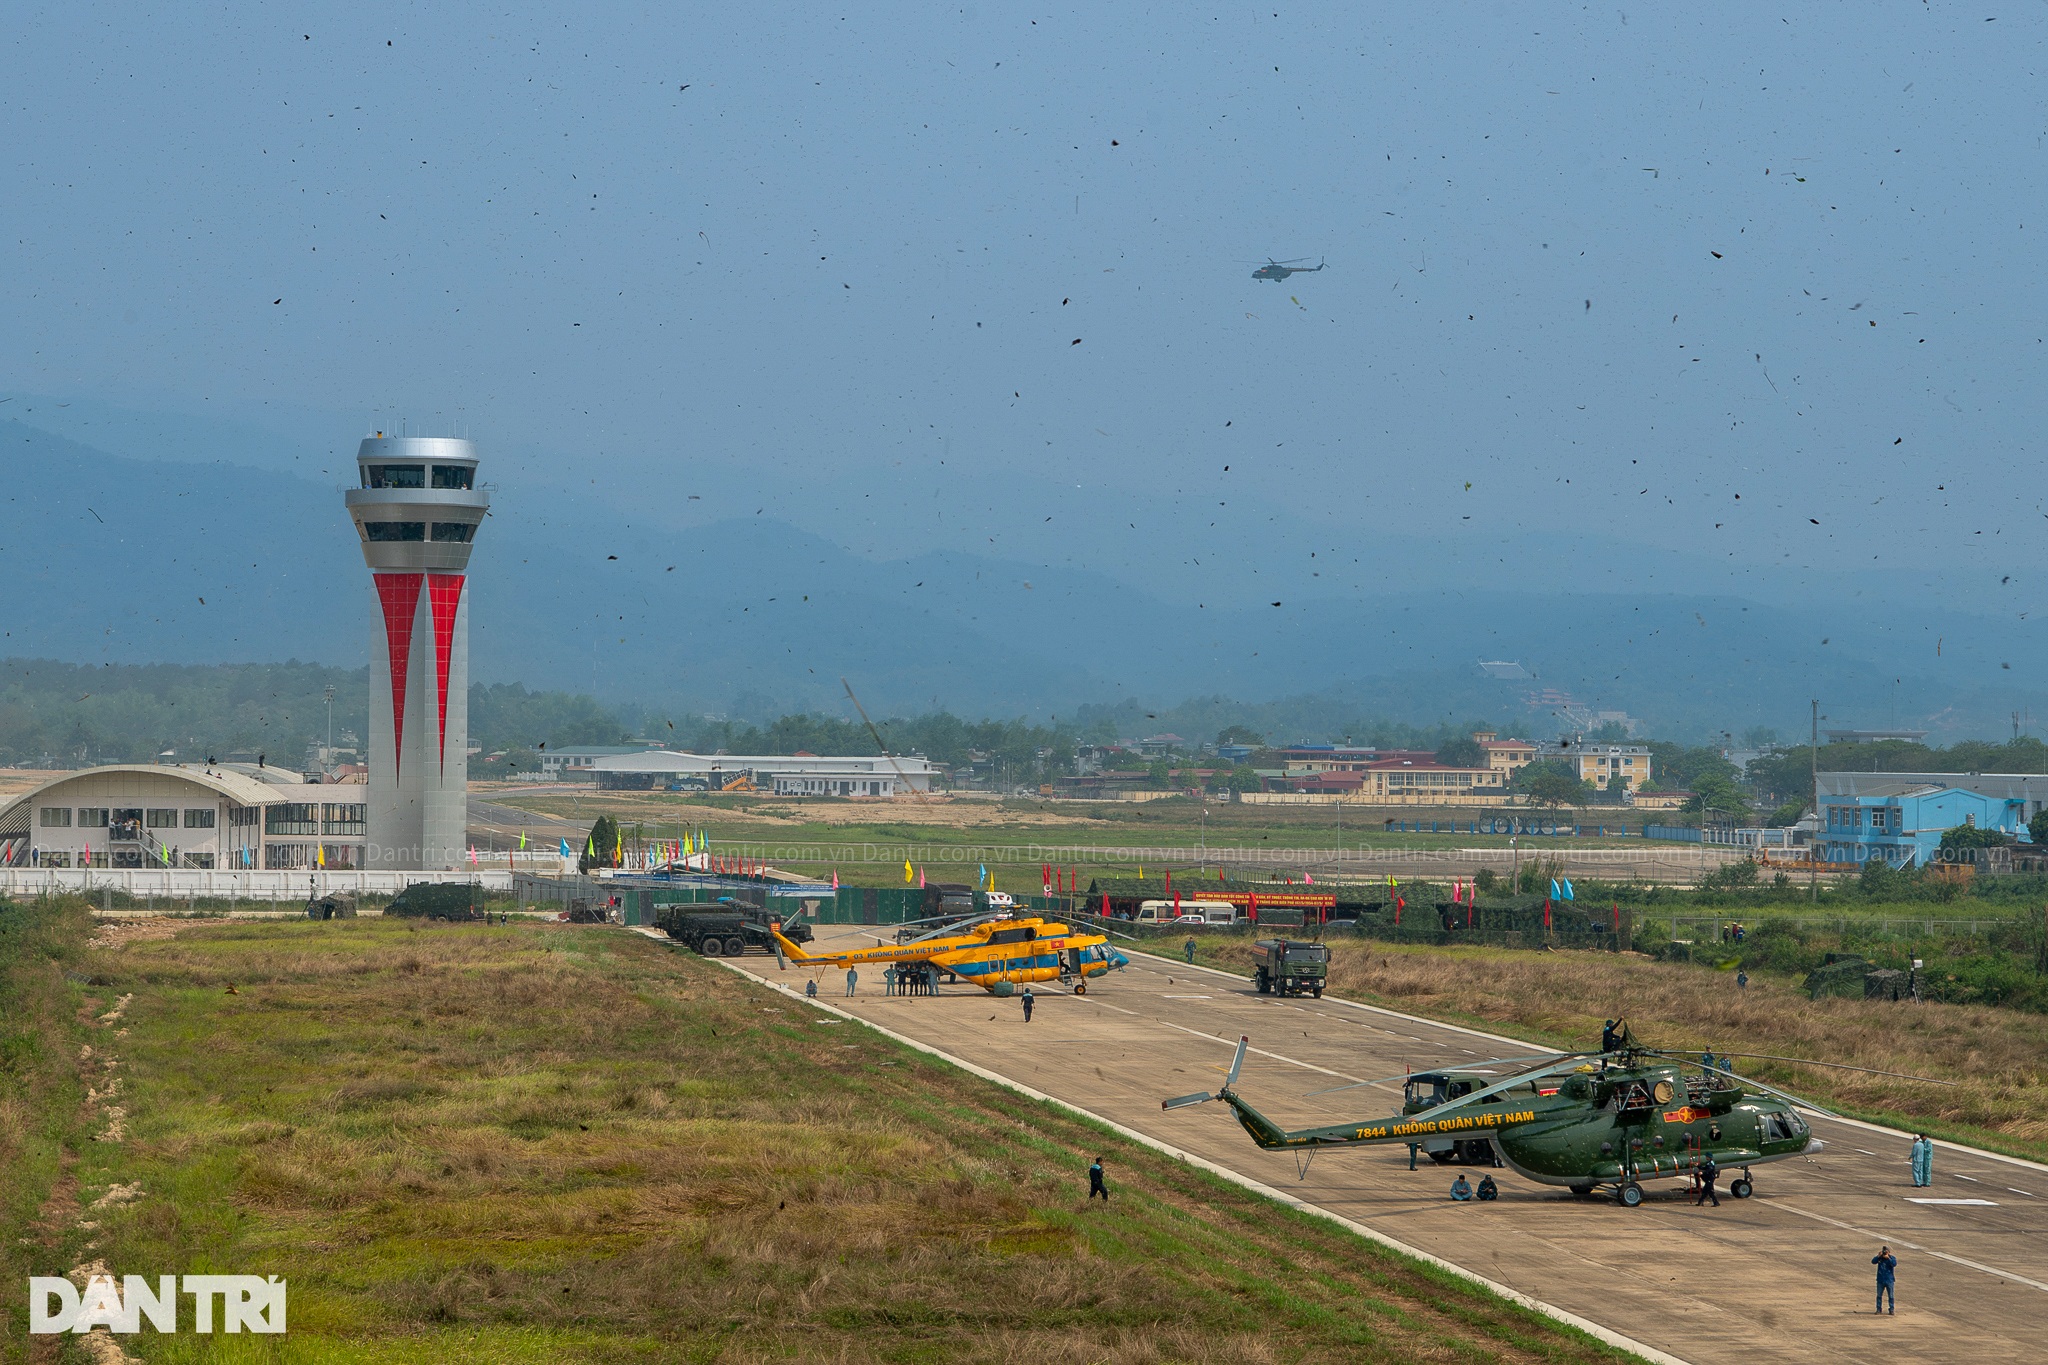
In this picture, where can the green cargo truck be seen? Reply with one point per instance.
(727, 928)
(1290, 967)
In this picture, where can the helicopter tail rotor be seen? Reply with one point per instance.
(1183, 1101)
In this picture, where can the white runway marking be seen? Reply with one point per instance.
(1989, 1203)
(2028, 1193)
(1910, 1246)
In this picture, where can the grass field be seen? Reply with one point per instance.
(1996, 1058)
(957, 822)
(546, 1143)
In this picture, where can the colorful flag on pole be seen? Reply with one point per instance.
(522, 841)
(1568, 889)
(835, 879)
(906, 871)
(920, 879)
(320, 855)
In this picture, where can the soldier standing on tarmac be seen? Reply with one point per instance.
(1708, 1174)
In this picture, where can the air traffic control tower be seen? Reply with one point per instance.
(417, 512)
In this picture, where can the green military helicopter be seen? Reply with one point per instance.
(1581, 1120)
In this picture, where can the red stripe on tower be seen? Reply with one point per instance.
(400, 595)
(444, 595)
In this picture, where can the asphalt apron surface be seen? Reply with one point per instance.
(1784, 1276)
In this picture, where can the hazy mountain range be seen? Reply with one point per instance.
(191, 540)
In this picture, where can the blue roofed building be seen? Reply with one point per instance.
(1900, 817)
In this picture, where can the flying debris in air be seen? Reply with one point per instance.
(1277, 271)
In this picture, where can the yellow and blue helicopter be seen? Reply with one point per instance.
(998, 954)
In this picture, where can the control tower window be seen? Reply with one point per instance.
(454, 476)
(394, 530)
(454, 530)
(395, 476)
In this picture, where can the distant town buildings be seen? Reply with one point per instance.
(1900, 817)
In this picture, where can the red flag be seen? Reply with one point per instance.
(1255, 907)
(1546, 912)
(1400, 904)
(1105, 905)
(1617, 917)
(1176, 904)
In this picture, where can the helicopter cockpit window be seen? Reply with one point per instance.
(1779, 1128)
(1425, 1090)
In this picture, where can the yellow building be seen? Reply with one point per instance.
(1600, 764)
(1505, 756)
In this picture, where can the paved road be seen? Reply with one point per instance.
(1785, 1276)
(496, 826)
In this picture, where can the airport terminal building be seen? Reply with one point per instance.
(224, 816)
(782, 774)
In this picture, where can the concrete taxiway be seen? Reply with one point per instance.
(1783, 1276)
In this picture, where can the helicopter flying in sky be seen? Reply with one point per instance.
(1277, 271)
(1582, 1121)
(998, 953)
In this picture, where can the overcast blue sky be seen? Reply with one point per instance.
(1592, 272)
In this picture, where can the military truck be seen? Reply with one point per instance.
(726, 929)
(1290, 967)
(437, 900)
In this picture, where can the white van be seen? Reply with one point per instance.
(1188, 912)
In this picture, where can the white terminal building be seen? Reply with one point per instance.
(417, 513)
(224, 816)
(783, 774)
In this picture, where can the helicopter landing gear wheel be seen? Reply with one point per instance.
(1080, 988)
(1630, 1195)
(1582, 1191)
(1742, 1189)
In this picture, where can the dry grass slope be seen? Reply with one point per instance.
(1997, 1057)
(547, 1143)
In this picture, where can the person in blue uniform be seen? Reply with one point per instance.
(1887, 1272)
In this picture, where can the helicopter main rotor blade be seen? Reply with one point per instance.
(1842, 1066)
(957, 927)
(1183, 1101)
(1244, 1041)
(1462, 1066)
(1567, 1062)
(1784, 1095)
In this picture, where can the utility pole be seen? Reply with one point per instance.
(328, 757)
(1813, 773)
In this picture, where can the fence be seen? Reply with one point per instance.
(197, 883)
